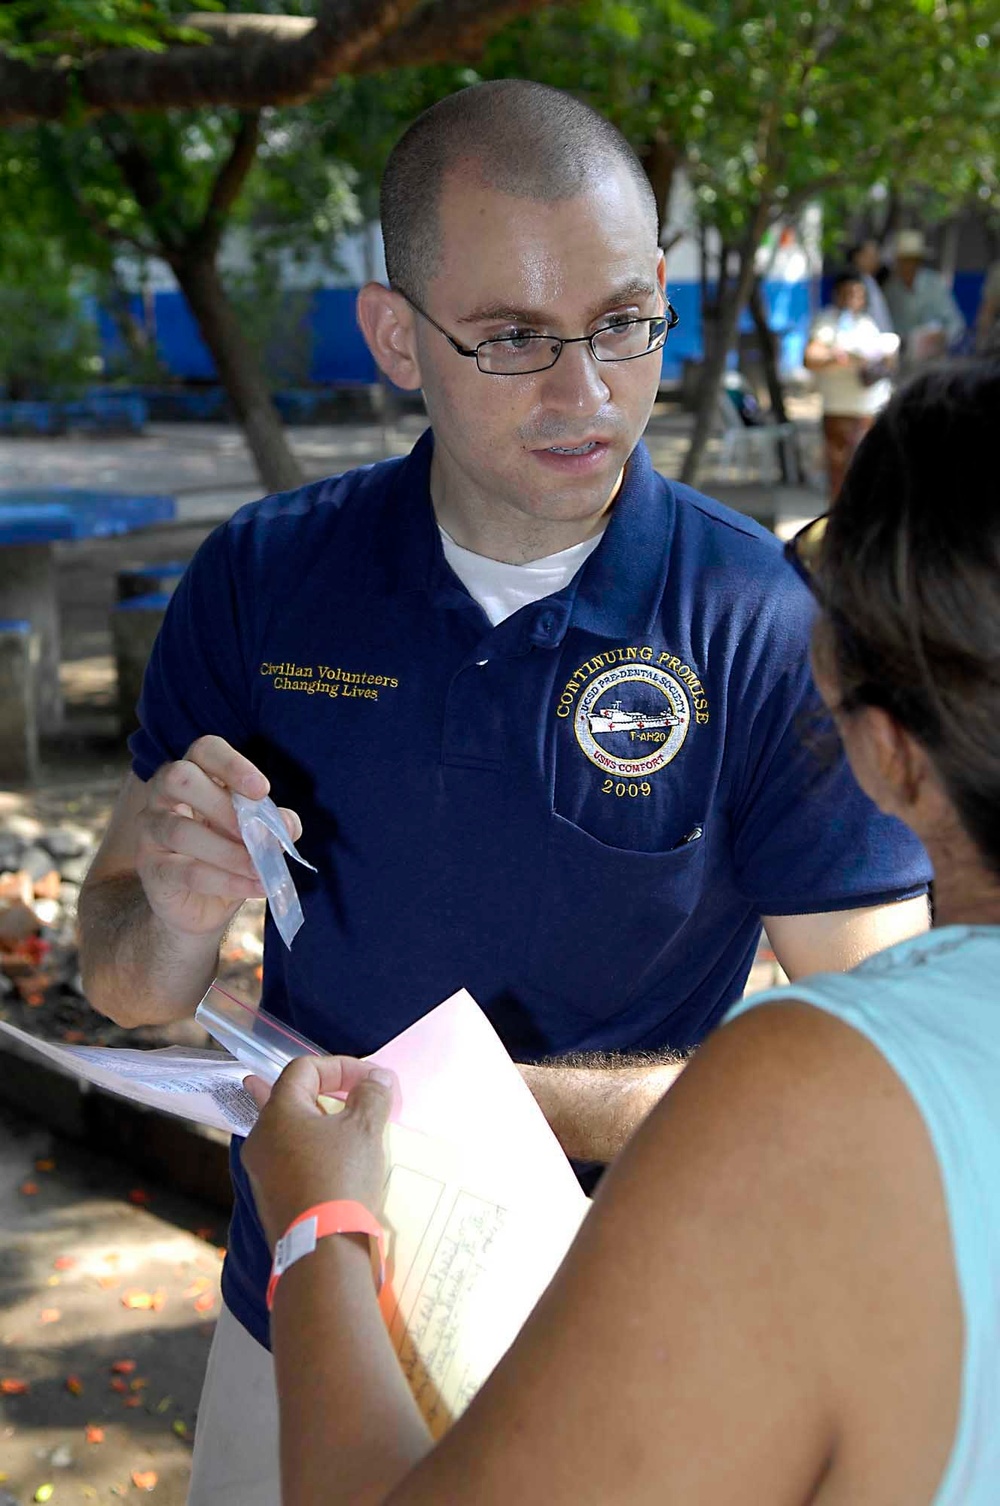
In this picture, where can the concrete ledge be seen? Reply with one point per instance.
(188, 1158)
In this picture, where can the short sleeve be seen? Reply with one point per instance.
(197, 680)
(823, 330)
(806, 837)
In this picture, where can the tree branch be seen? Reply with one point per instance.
(443, 33)
(251, 62)
(228, 182)
(142, 181)
(107, 232)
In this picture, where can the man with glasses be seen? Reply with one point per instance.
(535, 709)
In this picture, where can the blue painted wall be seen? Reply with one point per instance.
(339, 354)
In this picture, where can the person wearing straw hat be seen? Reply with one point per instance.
(926, 316)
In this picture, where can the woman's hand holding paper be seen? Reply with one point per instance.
(300, 1154)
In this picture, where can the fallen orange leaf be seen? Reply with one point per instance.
(204, 1303)
(144, 1479)
(123, 1367)
(46, 1165)
(94, 1433)
(74, 1385)
(11, 1387)
(159, 1300)
(140, 1383)
(64, 1262)
(141, 1301)
(117, 1384)
(132, 1401)
(29, 1188)
(107, 1282)
(199, 1285)
(49, 1315)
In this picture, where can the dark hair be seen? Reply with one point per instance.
(843, 277)
(909, 580)
(520, 137)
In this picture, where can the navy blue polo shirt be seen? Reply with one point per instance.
(580, 815)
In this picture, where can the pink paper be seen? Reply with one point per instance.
(458, 1083)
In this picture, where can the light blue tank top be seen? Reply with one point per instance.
(931, 1006)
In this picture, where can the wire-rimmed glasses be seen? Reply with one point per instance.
(519, 354)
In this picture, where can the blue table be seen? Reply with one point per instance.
(32, 520)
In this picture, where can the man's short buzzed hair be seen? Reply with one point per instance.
(520, 137)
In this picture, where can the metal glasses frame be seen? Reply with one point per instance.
(669, 318)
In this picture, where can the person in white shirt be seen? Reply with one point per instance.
(851, 360)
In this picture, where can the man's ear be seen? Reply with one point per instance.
(386, 321)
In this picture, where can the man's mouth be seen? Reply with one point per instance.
(580, 449)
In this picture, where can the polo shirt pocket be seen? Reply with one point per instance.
(607, 916)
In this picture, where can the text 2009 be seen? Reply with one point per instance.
(626, 789)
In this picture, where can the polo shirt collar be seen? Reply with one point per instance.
(624, 579)
(622, 583)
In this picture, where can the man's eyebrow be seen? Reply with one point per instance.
(636, 287)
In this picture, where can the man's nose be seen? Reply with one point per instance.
(575, 384)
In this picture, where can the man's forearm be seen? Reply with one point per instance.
(594, 1111)
(135, 970)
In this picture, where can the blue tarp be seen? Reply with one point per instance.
(40, 515)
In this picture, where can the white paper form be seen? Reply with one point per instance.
(468, 1258)
(203, 1086)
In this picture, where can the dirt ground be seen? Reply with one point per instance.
(108, 1293)
(109, 1284)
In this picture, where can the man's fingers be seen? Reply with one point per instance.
(183, 785)
(179, 834)
(175, 874)
(222, 763)
(292, 822)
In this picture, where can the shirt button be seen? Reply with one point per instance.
(545, 624)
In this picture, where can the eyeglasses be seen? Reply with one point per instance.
(804, 550)
(520, 355)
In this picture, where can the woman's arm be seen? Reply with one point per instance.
(725, 1324)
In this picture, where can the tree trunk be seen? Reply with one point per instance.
(730, 302)
(788, 453)
(240, 371)
(660, 160)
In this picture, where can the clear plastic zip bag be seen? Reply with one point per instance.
(266, 839)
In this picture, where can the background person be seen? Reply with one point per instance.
(537, 710)
(850, 360)
(786, 1290)
(866, 259)
(988, 314)
(924, 313)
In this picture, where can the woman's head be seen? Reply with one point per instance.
(909, 579)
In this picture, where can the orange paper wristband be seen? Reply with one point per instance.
(302, 1234)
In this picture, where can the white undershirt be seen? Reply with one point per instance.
(501, 589)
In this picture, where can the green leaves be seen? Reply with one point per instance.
(73, 29)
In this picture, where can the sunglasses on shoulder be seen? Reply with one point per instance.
(804, 550)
